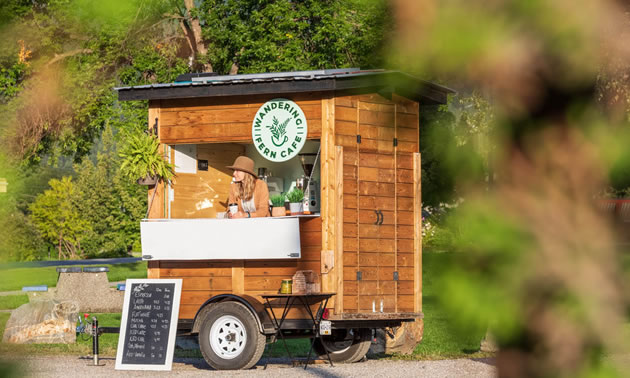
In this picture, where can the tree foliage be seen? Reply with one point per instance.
(110, 203)
(56, 216)
(285, 35)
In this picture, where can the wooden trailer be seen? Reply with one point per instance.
(365, 241)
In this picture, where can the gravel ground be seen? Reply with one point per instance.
(68, 367)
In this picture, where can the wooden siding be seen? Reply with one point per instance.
(378, 176)
(212, 120)
(205, 279)
(356, 180)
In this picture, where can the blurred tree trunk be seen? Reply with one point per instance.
(192, 29)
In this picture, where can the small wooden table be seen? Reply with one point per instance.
(304, 300)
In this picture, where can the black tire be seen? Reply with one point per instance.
(345, 346)
(229, 338)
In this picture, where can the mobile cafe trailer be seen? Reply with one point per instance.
(364, 243)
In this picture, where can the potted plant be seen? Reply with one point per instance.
(296, 198)
(143, 162)
(278, 209)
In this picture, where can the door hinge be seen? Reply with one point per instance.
(359, 138)
(395, 276)
(395, 142)
(359, 275)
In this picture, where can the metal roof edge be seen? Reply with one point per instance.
(291, 82)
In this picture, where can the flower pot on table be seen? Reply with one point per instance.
(296, 208)
(278, 211)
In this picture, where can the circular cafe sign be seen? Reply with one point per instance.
(279, 129)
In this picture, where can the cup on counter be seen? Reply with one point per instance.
(233, 208)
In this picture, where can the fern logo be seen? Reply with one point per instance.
(279, 130)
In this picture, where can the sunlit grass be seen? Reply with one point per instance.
(10, 302)
(15, 279)
(440, 339)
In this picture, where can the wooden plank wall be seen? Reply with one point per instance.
(408, 258)
(329, 193)
(387, 184)
(208, 120)
(204, 279)
(205, 193)
(155, 193)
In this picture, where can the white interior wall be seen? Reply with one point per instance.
(290, 170)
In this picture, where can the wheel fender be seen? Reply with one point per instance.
(253, 305)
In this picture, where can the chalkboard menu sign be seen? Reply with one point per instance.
(149, 324)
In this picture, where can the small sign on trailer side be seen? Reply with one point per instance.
(149, 324)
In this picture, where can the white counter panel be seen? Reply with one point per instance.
(220, 239)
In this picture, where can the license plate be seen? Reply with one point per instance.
(325, 327)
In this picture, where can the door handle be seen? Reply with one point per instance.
(379, 217)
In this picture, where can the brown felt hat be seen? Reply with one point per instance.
(243, 163)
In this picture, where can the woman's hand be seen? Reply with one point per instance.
(239, 214)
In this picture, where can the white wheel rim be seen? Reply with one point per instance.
(228, 337)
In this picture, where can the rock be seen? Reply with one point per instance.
(91, 290)
(43, 322)
(404, 341)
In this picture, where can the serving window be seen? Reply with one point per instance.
(202, 185)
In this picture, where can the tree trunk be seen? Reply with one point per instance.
(234, 68)
(193, 33)
(60, 237)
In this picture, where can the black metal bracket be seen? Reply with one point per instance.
(395, 142)
(359, 275)
(359, 138)
(395, 276)
(152, 130)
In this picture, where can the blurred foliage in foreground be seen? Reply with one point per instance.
(538, 264)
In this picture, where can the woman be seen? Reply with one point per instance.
(250, 193)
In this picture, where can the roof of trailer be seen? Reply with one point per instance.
(346, 79)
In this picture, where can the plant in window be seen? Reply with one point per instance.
(295, 197)
(278, 209)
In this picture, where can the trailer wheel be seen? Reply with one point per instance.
(229, 338)
(345, 345)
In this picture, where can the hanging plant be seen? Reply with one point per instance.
(143, 162)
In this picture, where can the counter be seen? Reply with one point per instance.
(221, 239)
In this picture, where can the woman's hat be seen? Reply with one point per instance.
(243, 163)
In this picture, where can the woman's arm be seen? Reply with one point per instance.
(261, 200)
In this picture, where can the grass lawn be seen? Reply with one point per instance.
(15, 279)
(10, 302)
(440, 340)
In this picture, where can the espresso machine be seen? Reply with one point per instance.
(310, 188)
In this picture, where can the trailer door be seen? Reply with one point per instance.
(378, 203)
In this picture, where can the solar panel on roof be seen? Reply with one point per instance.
(275, 75)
